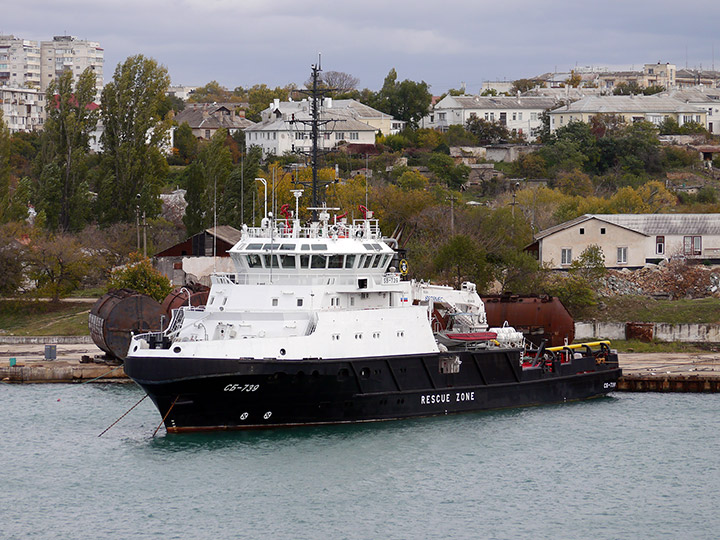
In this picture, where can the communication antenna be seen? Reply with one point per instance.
(315, 94)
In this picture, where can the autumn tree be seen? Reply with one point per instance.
(523, 85)
(63, 188)
(134, 135)
(58, 264)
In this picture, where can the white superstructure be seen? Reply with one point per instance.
(327, 290)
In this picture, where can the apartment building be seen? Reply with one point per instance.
(69, 52)
(285, 126)
(521, 115)
(23, 108)
(654, 109)
(19, 62)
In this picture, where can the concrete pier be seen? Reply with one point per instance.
(75, 362)
(670, 372)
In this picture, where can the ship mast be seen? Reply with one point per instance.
(315, 94)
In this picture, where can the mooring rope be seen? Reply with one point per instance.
(166, 415)
(123, 416)
(103, 375)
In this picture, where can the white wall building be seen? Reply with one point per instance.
(654, 109)
(285, 126)
(69, 52)
(521, 115)
(23, 108)
(704, 98)
(19, 62)
(631, 240)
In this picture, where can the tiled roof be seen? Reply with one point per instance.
(498, 102)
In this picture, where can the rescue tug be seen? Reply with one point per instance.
(318, 326)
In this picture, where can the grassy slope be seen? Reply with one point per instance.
(643, 309)
(42, 318)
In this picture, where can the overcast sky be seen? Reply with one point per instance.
(444, 43)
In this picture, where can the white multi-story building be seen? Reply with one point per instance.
(705, 98)
(285, 126)
(19, 62)
(69, 52)
(654, 109)
(521, 115)
(23, 108)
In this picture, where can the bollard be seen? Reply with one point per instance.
(50, 352)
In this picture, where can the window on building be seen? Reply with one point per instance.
(660, 245)
(622, 255)
(442, 116)
(602, 230)
(692, 245)
(339, 135)
(533, 116)
(354, 136)
(566, 256)
(582, 230)
(514, 116)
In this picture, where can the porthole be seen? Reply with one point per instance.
(176, 349)
(282, 352)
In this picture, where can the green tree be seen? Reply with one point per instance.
(627, 89)
(206, 183)
(4, 168)
(407, 100)
(445, 170)
(213, 92)
(487, 132)
(186, 143)
(134, 133)
(463, 260)
(653, 89)
(139, 275)
(12, 260)
(523, 85)
(66, 136)
(260, 96)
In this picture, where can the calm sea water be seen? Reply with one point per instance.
(626, 466)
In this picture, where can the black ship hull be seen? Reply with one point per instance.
(196, 394)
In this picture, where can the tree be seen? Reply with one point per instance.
(574, 80)
(408, 100)
(213, 92)
(260, 96)
(410, 180)
(4, 168)
(134, 133)
(12, 257)
(341, 82)
(574, 182)
(58, 264)
(186, 143)
(139, 275)
(627, 89)
(487, 132)
(464, 260)
(71, 119)
(206, 183)
(523, 85)
(445, 170)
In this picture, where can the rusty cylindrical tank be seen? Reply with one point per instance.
(179, 297)
(537, 317)
(120, 313)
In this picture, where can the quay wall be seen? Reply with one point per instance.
(690, 333)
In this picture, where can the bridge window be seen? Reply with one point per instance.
(254, 261)
(336, 261)
(349, 261)
(368, 260)
(271, 261)
(304, 261)
(318, 261)
(288, 261)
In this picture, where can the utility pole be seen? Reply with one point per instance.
(452, 200)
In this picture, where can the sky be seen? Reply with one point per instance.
(444, 43)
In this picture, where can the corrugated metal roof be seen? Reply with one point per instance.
(628, 104)
(488, 102)
(649, 224)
